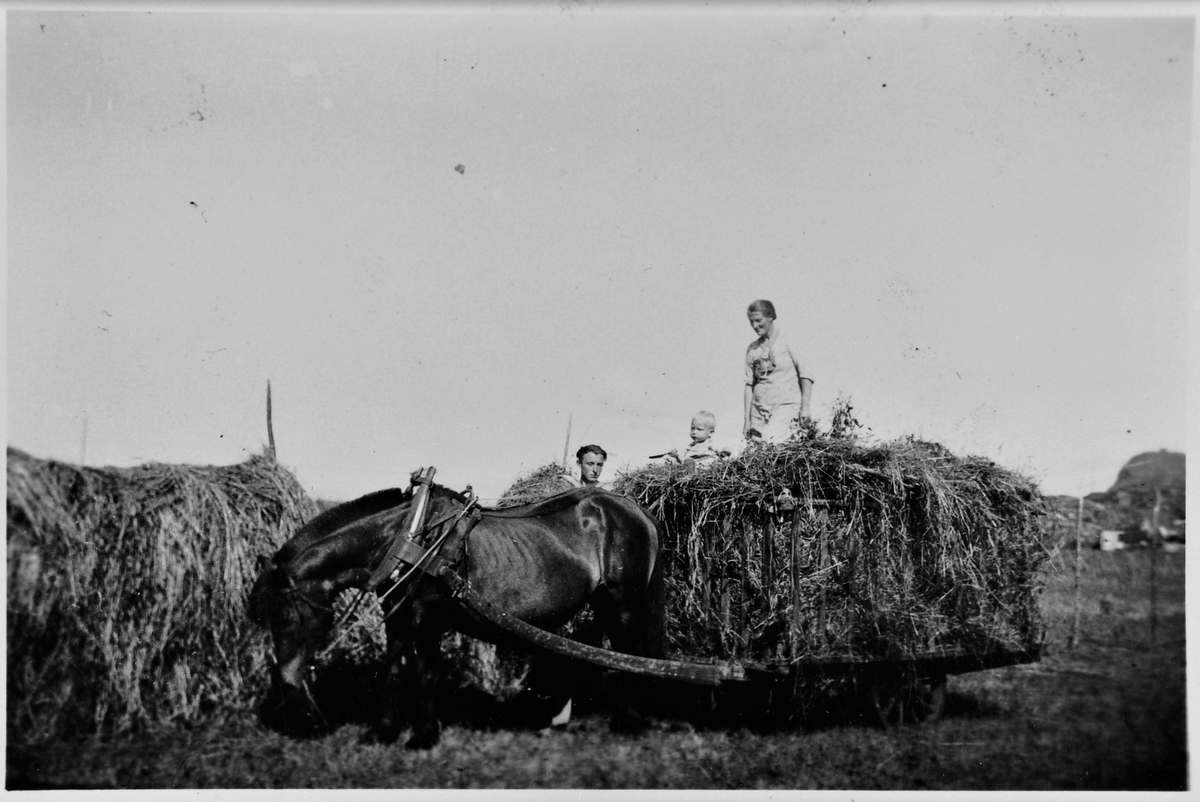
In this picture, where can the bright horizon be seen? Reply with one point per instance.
(976, 225)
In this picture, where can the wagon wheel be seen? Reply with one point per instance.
(904, 698)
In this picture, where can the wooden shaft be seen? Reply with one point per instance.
(697, 673)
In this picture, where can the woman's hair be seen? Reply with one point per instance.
(592, 449)
(764, 308)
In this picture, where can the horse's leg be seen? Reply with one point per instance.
(428, 624)
(547, 691)
(391, 717)
(635, 621)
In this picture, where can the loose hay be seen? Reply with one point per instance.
(898, 549)
(128, 586)
(540, 483)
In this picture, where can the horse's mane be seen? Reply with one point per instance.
(546, 506)
(317, 532)
(337, 517)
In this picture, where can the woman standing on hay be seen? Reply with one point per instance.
(777, 388)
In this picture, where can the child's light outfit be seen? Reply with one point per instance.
(701, 453)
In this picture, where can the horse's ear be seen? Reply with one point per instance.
(264, 563)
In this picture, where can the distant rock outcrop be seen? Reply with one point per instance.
(1163, 469)
(1134, 493)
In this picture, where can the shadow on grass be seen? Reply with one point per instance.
(352, 695)
(345, 694)
(959, 705)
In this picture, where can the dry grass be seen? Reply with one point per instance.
(896, 548)
(127, 590)
(536, 485)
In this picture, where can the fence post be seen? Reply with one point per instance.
(1078, 569)
(1154, 546)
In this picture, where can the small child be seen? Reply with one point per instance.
(701, 450)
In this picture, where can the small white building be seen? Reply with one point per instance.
(1110, 540)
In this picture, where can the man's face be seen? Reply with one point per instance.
(701, 430)
(590, 467)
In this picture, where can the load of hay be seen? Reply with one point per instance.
(882, 550)
(548, 480)
(127, 589)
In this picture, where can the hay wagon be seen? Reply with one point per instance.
(826, 565)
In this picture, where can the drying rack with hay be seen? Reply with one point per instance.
(826, 548)
(127, 589)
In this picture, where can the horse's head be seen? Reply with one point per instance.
(299, 615)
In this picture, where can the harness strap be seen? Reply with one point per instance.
(422, 481)
(444, 553)
(452, 542)
(414, 555)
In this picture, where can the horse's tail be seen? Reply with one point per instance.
(656, 598)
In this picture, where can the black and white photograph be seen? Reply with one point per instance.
(573, 396)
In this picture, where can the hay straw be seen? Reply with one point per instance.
(924, 551)
(540, 483)
(127, 589)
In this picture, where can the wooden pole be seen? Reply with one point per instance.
(1078, 569)
(567, 443)
(270, 428)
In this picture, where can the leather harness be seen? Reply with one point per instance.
(439, 550)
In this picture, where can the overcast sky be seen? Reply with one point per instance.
(975, 226)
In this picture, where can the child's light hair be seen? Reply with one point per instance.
(705, 416)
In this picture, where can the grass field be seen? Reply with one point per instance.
(1108, 713)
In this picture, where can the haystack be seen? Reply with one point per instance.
(830, 547)
(127, 589)
(540, 483)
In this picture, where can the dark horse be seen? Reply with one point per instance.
(540, 563)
